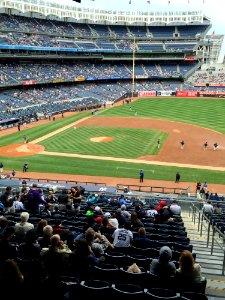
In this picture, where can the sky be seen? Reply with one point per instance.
(214, 9)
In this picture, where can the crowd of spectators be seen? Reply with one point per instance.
(30, 101)
(68, 233)
(51, 27)
(208, 77)
(16, 73)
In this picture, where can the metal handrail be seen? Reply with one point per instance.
(58, 181)
(214, 240)
(152, 189)
(196, 212)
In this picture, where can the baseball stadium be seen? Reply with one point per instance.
(111, 124)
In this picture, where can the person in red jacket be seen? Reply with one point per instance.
(161, 205)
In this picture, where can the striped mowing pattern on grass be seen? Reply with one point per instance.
(195, 111)
(41, 130)
(126, 142)
(205, 112)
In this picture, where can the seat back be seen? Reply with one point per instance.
(184, 284)
(134, 278)
(194, 296)
(89, 289)
(161, 293)
(127, 291)
(107, 272)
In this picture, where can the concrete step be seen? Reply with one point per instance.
(211, 264)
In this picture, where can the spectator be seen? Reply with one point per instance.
(122, 237)
(7, 249)
(40, 226)
(22, 227)
(175, 208)
(98, 242)
(141, 241)
(82, 258)
(17, 203)
(202, 193)
(63, 199)
(218, 209)
(124, 212)
(107, 229)
(207, 208)
(55, 257)
(12, 281)
(162, 266)
(75, 195)
(56, 245)
(122, 200)
(120, 218)
(188, 268)
(162, 203)
(89, 209)
(135, 221)
(7, 199)
(152, 212)
(164, 215)
(34, 200)
(139, 211)
(3, 225)
(205, 186)
(30, 249)
(44, 241)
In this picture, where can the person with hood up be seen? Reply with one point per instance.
(163, 266)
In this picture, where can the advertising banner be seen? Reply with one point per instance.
(28, 82)
(200, 84)
(57, 80)
(216, 84)
(81, 78)
(186, 94)
(166, 93)
(146, 93)
(212, 94)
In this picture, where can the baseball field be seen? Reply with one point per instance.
(120, 140)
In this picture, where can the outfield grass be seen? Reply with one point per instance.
(208, 113)
(126, 142)
(205, 112)
(68, 165)
(41, 130)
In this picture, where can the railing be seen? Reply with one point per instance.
(218, 242)
(59, 181)
(201, 218)
(153, 189)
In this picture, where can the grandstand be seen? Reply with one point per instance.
(48, 54)
(59, 58)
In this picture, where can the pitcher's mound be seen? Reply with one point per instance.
(21, 150)
(101, 139)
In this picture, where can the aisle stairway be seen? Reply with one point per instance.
(211, 264)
